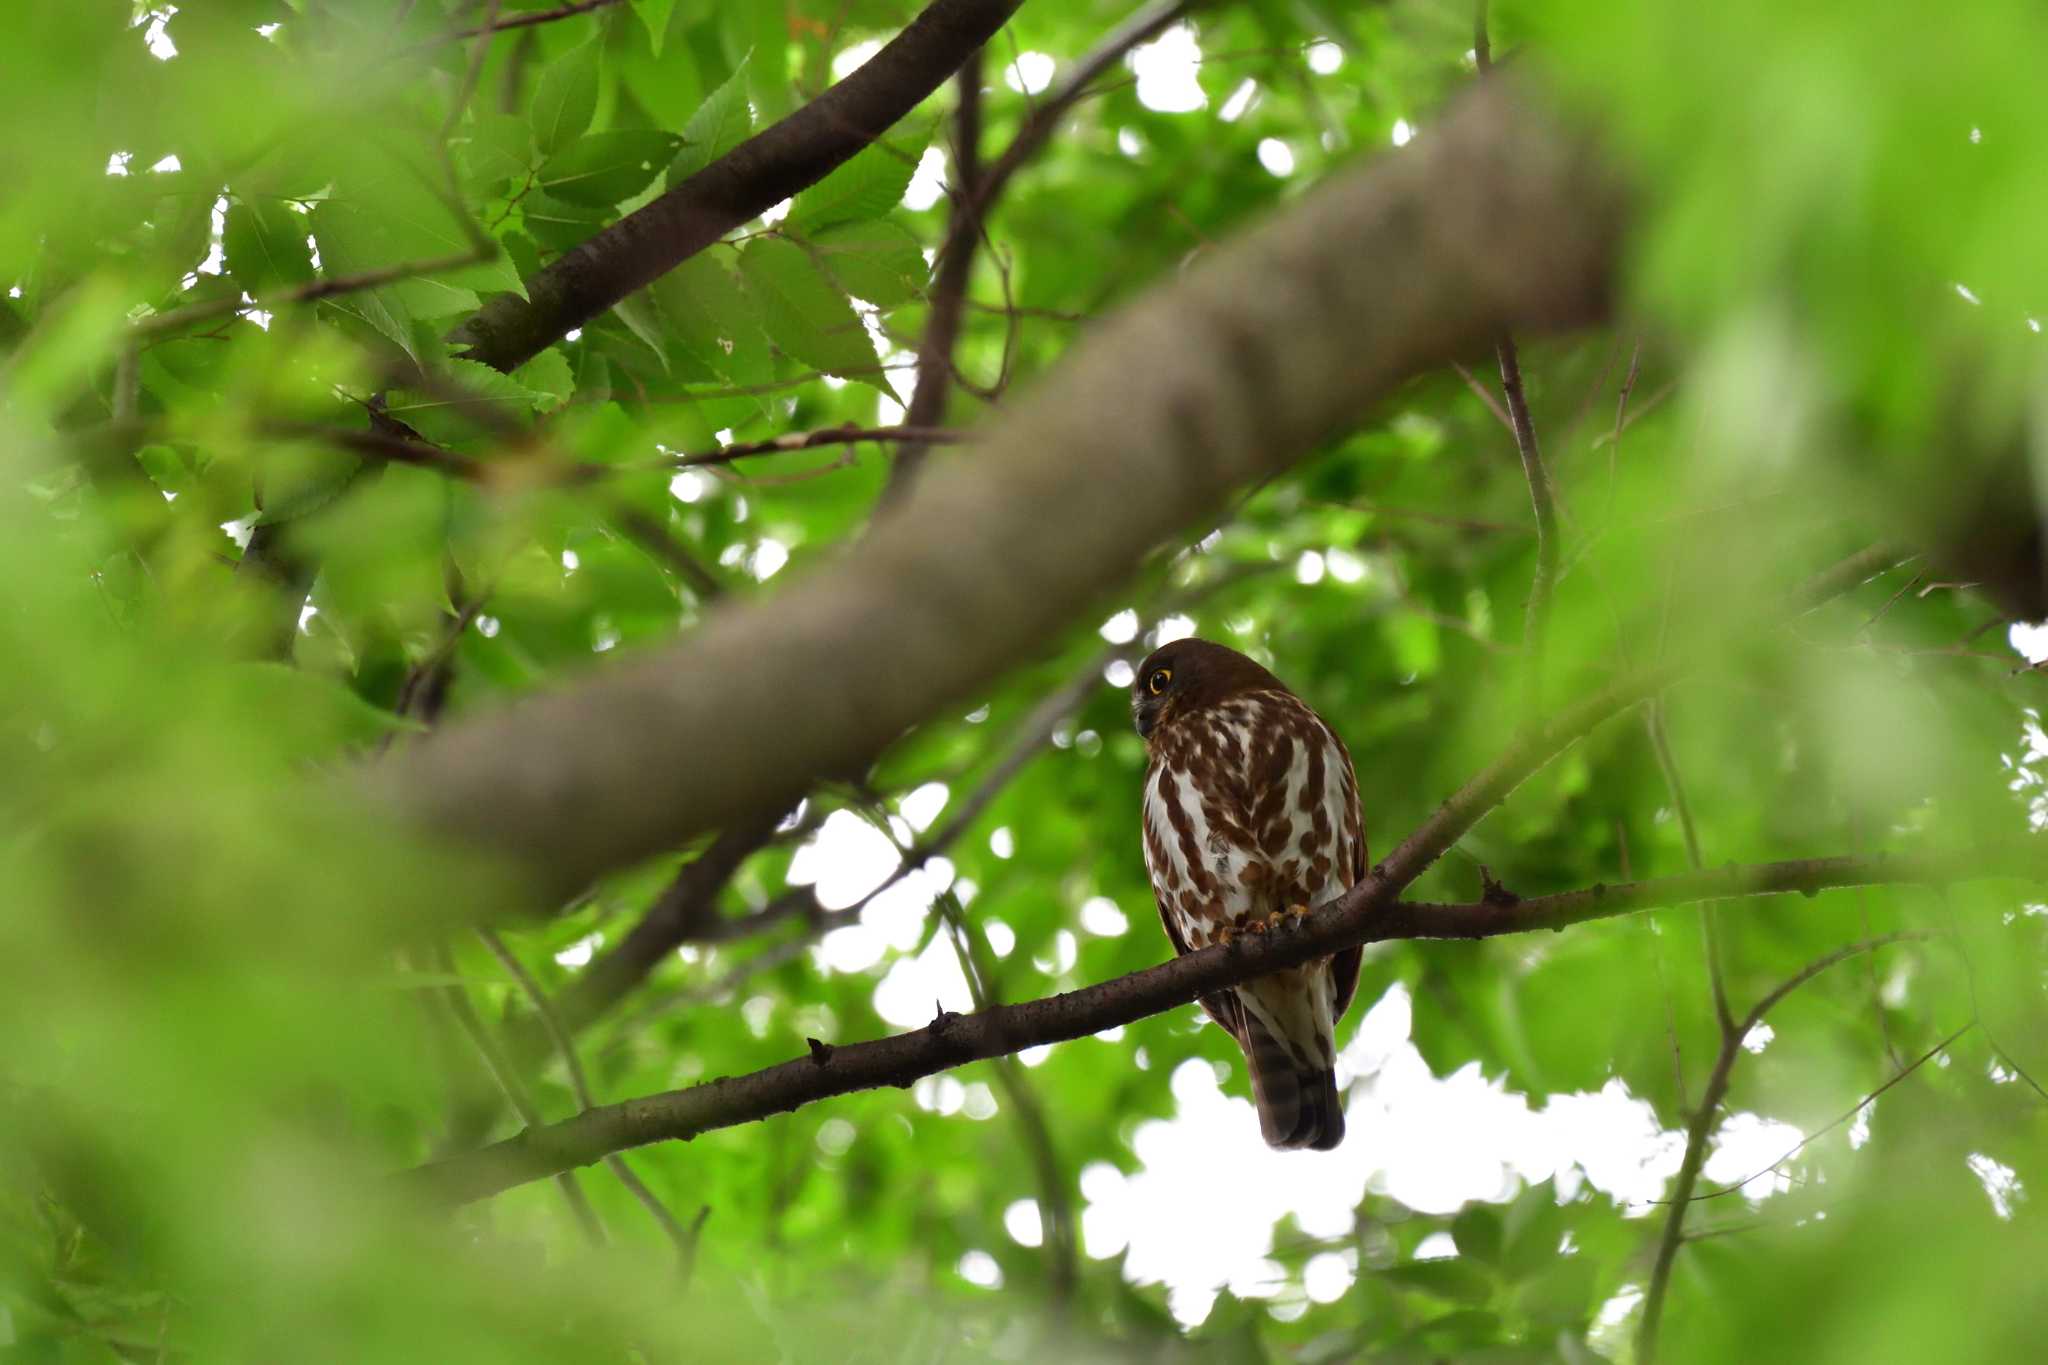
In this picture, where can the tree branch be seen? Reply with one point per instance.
(1542, 493)
(1224, 377)
(333, 286)
(1147, 23)
(975, 193)
(948, 295)
(1366, 914)
(685, 908)
(756, 175)
(1543, 496)
(1696, 1136)
(684, 1238)
(518, 21)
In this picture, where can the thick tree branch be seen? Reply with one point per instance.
(1226, 376)
(756, 175)
(1366, 914)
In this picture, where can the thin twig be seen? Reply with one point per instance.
(1703, 1124)
(684, 1238)
(948, 292)
(456, 1000)
(517, 21)
(1674, 781)
(655, 538)
(1483, 394)
(1055, 1197)
(1542, 492)
(158, 323)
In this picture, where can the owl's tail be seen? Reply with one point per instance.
(1298, 1103)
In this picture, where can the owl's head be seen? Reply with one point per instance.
(1188, 675)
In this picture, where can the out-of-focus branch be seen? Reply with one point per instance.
(1705, 1121)
(685, 1239)
(1542, 493)
(527, 20)
(686, 909)
(456, 1001)
(1222, 378)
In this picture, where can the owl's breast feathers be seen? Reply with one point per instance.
(1250, 807)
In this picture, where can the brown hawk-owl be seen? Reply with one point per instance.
(1251, 814)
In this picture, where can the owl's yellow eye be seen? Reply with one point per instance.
(1156, 684)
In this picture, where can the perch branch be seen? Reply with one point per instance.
(1366, 914)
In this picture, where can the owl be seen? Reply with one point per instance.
(1251, 815)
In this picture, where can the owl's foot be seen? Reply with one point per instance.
(1280, 919)
(1224, 935)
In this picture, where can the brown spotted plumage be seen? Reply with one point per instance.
(1251, 813)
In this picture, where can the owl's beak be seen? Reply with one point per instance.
(1145, 715)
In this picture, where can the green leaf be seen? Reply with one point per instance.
(877, 261)
(500, 147)
(566, 97)
(558, 223)
(1532, 1230)
(323, 712)
(721, 123)
(469, 413)
(298, 479)
(548, 378)
(604, 168)
(1453, 1280)
(265, 245)
(1476, 1230)
(867, 185)
(713, 322)
(804, 313)
(655, 14)
(642, 317)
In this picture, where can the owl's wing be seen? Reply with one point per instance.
(1221, 1006)
(1344, 967)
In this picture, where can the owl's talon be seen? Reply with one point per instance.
(1224, 935)
(1299, 912)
